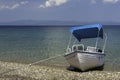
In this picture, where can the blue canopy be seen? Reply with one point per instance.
(88, 31)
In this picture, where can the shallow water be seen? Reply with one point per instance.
(33, 43)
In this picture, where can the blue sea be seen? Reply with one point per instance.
(27, 44)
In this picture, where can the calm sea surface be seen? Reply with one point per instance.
(32, 43)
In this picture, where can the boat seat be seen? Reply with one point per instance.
(91, 49)
(78, 47)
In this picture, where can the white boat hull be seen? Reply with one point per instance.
(85, 60)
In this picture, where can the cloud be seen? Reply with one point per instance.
(24, 2)
(9, 7)
(111, 1)
(51, 3)
(13, 6)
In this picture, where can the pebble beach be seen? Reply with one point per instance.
(19, 71)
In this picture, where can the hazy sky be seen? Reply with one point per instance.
(72, 10)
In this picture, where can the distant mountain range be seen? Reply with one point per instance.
(55, 22)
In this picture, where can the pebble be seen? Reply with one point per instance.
(37, 72)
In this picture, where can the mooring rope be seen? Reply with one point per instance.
(19, 68)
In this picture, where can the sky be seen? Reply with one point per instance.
(60, 10)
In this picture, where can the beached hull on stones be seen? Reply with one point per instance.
(85, 60)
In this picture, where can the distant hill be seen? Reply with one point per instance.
(40, 22)
(55, 22)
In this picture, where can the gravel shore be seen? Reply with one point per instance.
(18, 71)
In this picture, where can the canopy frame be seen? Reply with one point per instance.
(104, 44)
(89, 31)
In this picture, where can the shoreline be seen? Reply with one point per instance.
(41, 72)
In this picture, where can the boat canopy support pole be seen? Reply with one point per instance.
(75, 41)
(69, 41)
(97, 40)
(104, 43)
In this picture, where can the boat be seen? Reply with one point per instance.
(90, 57)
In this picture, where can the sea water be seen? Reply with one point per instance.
(27, 44)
